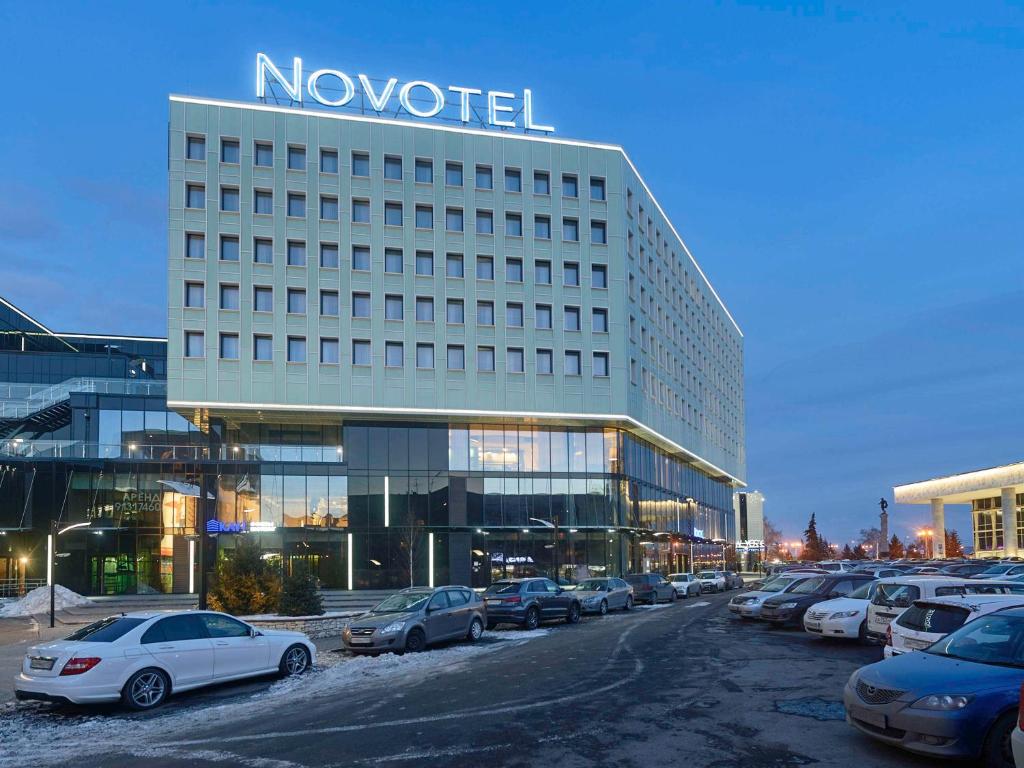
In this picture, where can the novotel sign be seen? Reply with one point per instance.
(420, 98)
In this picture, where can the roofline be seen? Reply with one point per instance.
(32, 320)
(960, 474)
(475, 132)
(115, 337)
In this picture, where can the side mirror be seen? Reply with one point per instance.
(253, 632)
(559, 591)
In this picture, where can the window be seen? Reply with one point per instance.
(544, 316)
(195, 246)
(393, 213)
(394, 307)
(296, 349)
(453, 265)
(598, 232)
(360, 164)
(262, 250)
(453, 219)
(262, 347)
(572, 363)
(194, 344)
(485, 358)
(598, 276)
(424, 355)
(424, 171)
(263, 202)
(485, 222)
(485, 313)
(328, 208)
(360, 211)
(360, 305)
(330, 303)
(296, 301)
(296, 205)
(513, 180)
(514, 315)
(330, 351)
(195, 295)
(456, 357)
(545, 361)
(229, 248)
(542, 227)
(263, 298)
(263, 154)
(296, 158)
(229, 151)
(424, 217)
(230, 296)
(425, 263)
(453, 174)
(542, 272)
(599, 321)
(296, 253)
(570, 185)
(329, 161)
(229, 346)
(515, 360)
(424, 309)
(514, 270)
(572, 318)
(361, 352)
(600, 363)
(392, 167)
(571, 273)
(571, 230)
(596, 188)
(484, 268)
(394, 261)
(514, 224)
(361, 258)
(229, 199)
(484, 177)
(393, 354)
(195, 196)
(541, 183)
(195, 148)
(329, 256)
(455, 312)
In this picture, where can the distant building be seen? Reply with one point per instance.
(748, 508)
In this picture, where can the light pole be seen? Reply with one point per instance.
(51, 560)
(553, 525)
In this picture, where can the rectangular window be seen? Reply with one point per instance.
(456, 357)
(514, 224)
(572, 318)
(330, 351)
(515, 360)
(329, 161)
(455, 312)
(296, 158)
(599, 276)
(392, 167)
(599, 323)
(195, 246)
(541, 183)
(328, 208)
(514, 270)
(485, 222)
(194, 344)
(424, 171)
(394, 307)
(424, 309)
(453, 265)
(544, 317)
(542, 227)
(545, 361)
(453, 219)
(195, 196)
(571, 230)
(296, 301)
(330, 303)
(329, 256)
(195, 295)
(596, 188)
(230, 297)
(360, 164)
(393, 213)
(229, 248)
(570, 185)
(513, 180)
(262, 347)
(572, 363)
(571, 273)
(600, 363)
(360, 211)
(229, 346)
(485, 313)
(453, 174)
(195, 148)
(598, 232)
(361, 352)
(263, 154)
(424, 217)
(424, 263)
(393, 354)
(424, 355)
(263, 298)
(296, 253)
(296, 349)
(360, 305)
(542, 272)
(514, 315)
(262, 250)
(484, 268)
(263, 202)
(230, 200)
(229, 151)
(296, 205)
(361, 258)
(485, 358)
(484, 177)
(394, 261)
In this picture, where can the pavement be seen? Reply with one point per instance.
(682, 684)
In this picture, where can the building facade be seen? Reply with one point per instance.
(751, 546)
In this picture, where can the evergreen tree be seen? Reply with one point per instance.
(299, 595)
(847, 553)
(859, 553)
(896, 549)
(245, 583)
(812, 542)
(954, 547)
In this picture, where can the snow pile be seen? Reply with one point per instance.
(38, 601)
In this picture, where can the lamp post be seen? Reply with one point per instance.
(553, 525)
(51, 561)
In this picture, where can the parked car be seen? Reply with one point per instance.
(415, 618)
(843, 617)
(835, 565)
(733, 580)
(140, 658)
(712, 581)
(959, 698)
(1017, 737)
(528, 602)
(966, 569)
(748, 604)
(651, 588)
(1001, 571)
(603, 594)
(880, 571)
(927, 621)
(686, 584)
(789, 608)
(924, 570)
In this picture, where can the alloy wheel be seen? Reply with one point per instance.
(296, 660)
(148, 689)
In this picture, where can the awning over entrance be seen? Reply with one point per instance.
(962, 488)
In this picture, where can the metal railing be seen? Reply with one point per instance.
(14, 587)
(20, 400)
(75, 449)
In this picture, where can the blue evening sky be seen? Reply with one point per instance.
(848, 174)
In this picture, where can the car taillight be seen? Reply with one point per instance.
(513, 600)
(79, 664)
(888, 635)
(1020, 709)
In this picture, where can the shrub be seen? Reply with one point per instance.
(300, 597)
(245, 584)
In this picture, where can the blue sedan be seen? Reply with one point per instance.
(957, 699)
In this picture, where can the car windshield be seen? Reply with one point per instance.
(402, 602)
(106, 630)
(707, 575)
(503, 588)
(996, 639)
(864, 591)
(896, 595)
(998, 569)
(809, 586)
(679, 577)
(592, 585)
(778, 585)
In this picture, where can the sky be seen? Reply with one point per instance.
(849, 175)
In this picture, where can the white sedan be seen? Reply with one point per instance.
(843, 617)
(141, 658)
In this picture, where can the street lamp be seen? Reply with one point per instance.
(553, 525)
(51, 559)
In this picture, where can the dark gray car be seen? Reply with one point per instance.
(527, 602)
(416, 617)
(651, 588)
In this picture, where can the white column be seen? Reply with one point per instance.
(938, 528)
(1009, 497)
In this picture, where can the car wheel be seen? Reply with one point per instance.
(603, 610)
(997, 752)
(862, 633)
(629, 603)
(146, 689)
(415, 641)
(476, 630)
(532, 618)
(672, 597)
(573, 616)
(295, 661)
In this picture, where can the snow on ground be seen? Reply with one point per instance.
(40, 735)
(38, 601)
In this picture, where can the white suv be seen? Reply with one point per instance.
(928, 621)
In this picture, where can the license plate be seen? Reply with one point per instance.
(876, 719)
(38, 663)
(360, 640)
(815, 625)
(916, 644)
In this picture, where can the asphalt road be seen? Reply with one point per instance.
(679, 685)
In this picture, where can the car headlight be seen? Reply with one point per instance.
(595, 600)
(393, 627)
(787, 605)
(942, 702)
(844, 615)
